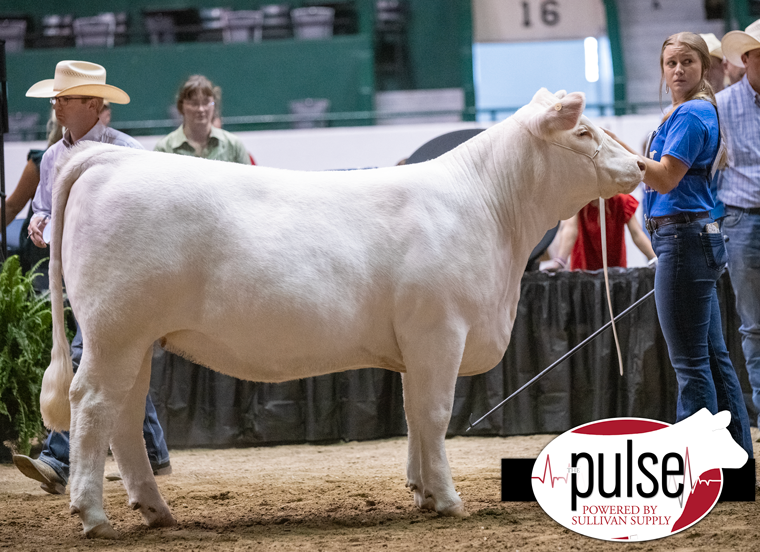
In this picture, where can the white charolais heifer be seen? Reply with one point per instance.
(272, 275)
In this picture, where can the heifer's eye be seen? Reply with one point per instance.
(583, 131)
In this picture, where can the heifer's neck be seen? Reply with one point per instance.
(522, 184)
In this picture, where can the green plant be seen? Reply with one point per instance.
(26, 338)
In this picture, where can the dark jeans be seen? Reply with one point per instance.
(690, 261)
(56, 451)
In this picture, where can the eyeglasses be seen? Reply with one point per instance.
(195, 104)
(64, 100)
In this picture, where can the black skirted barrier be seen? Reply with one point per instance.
(201, 408)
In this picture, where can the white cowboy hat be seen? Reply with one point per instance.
(78, 78)
(737, 43)
(713, 45)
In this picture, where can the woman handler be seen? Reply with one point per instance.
(688, 242)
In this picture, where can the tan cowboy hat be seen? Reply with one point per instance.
(713, 45)
(737, 43)
(78, 78)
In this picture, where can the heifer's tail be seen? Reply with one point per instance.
(54, 398)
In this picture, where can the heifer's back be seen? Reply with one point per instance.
(271, 275)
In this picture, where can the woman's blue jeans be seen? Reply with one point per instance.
(690, 261)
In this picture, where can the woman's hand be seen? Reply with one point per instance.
(619, 141)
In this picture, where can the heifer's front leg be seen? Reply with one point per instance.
(128, 446)
(428, 399)
(413, 464)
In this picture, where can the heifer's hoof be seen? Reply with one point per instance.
(157, 518)
(422, 502)
(102, 531)
(455, 510)
(164, 521)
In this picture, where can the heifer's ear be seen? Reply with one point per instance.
(562, 115)
(544, 97)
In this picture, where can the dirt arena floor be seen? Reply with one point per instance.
(345, 496)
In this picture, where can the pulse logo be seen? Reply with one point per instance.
(631, 479)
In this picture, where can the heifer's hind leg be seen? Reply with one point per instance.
(428, 399)
(97, 391)
(128, 446)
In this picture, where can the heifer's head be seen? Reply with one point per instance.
(591, 163)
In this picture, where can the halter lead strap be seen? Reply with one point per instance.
(603, 227)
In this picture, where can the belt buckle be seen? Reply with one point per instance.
(649, 224)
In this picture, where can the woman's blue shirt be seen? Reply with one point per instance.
(691, 135)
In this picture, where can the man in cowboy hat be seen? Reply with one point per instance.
(739, 110)
(77, 93)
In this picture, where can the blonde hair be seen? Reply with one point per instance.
(703, 90)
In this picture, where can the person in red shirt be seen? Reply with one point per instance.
(580, 237)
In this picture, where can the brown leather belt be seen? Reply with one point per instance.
(653, 223)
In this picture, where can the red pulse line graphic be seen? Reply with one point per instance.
(702, 495)
(693, 486)
(705, 481)
(552, 479)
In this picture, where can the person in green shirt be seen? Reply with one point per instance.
(197, 136)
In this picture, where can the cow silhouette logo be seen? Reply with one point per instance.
(632, 479)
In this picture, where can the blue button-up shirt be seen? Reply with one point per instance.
(43, 198)
(739, 110)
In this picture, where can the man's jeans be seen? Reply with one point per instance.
(56, 451)
(743, 231)
(690, 261)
